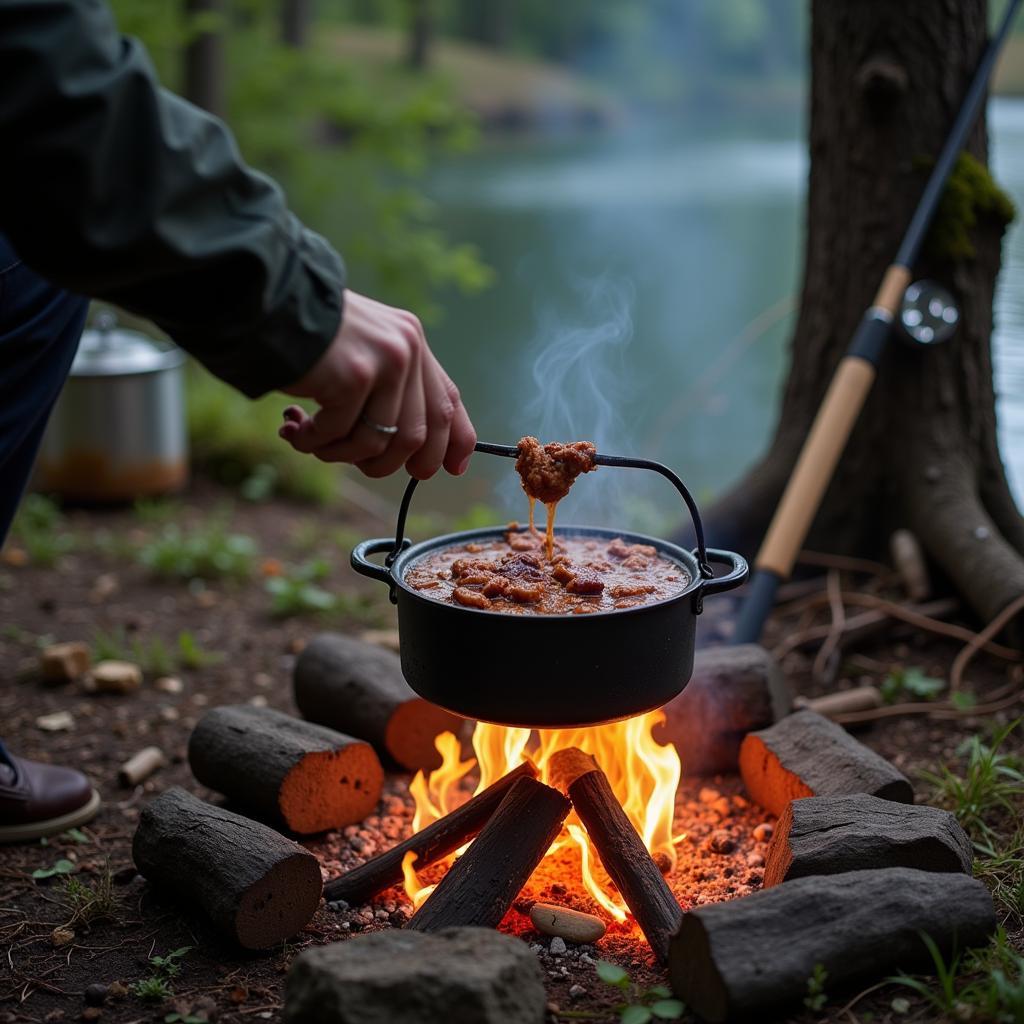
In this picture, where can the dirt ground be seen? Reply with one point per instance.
(97, 586)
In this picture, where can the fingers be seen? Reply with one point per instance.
(440, 411)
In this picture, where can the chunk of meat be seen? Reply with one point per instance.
(521, 565)
(636, 563)
(620, 550)
(524, 542)
(472, 566)
(548, 470)
(631, 589)
(563, 570)
(496, 586)
(525, 593)
(470, 598)
(585, 581)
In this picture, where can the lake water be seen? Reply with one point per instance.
(645, 291)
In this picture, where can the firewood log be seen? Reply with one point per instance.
(430, 844)
(302, 775)
(481, 885)
(359, 689)
(740, 958)
(257, 886)
(622, 852)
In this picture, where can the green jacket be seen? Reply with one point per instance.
(116, 188)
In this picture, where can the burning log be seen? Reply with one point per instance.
(359, 689)
(480, 886)
(739, 958)
(308, 777)
(255, 885)
(430, 844)
(619, 846)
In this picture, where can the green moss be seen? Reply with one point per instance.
(971, 193)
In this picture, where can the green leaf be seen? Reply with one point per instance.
(668, 1009)
(611, 973)
(661, 991)
(918, 684)
(963, 701)
(76, 834)
(635, 1015)
(62, 867)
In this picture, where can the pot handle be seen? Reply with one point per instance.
(362, 564)
(738, 571)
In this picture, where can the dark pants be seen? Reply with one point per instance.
(40, 325)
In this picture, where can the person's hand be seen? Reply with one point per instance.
(380, 372)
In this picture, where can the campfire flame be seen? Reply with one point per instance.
(643, 774)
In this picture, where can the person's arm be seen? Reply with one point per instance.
(115, 188)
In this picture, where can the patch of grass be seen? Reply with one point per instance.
(152, 656)
(157, 510)
(89, 903)
(152, 989)
(990, 789)
(191, 653)
(156, 988)
(38, 528)
(296, 592)
(208, 552)
(235, 440)
(639, 1005)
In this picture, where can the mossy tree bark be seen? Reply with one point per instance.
(886, 83)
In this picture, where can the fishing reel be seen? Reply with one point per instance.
(928, 314)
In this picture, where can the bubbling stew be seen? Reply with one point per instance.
(514, 575)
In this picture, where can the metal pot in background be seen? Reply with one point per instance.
(117, 432)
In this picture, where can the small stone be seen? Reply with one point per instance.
(263, 680)
(61, 936)
(663, 861)
(59, 721)
(61, 663)
(92, 1013)
(96, 994)
(564, 923)
(557, 946)
(169, 684)
(763, 832)
(577, 991)
(113, 677)
(106, 585)
(337, 905)
(721, 841)
(169, 714)
(708, 795)
(117, 990)
(722, 806)
(755, 859)
(381, 915)
(258, 701)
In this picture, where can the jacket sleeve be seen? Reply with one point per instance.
(116, 188)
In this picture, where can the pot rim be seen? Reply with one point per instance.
(687, 561)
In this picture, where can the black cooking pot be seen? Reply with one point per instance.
(549, 671)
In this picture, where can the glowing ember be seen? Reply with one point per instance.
(643, 775)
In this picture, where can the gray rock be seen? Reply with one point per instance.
(455, 976)
(829, 835)
(739, 958)
(805, 754)
(557, 946)
(733, 691)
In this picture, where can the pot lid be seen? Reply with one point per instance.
(109, 351)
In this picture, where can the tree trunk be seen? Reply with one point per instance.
(886, 83)
(421, 31)
(204, 59)
(296, 17)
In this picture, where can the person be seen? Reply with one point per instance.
(115, 188)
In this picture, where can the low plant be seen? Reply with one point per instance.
(909, 684)
(89, 903)
(60, 867)
(157, 987)
(639, 1005)
(38, 528)
(153, 989)
(296, 592)
(209, 552)
(191, 653)
(990, 787)
(816, 996)
(153, 656)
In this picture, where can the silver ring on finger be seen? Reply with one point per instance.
(379, 427)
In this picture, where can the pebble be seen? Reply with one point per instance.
(577, 991)
(60, 663)
(96, 994)
(708, 795)
(92, 1013)
(663, 861)
(118, 990)
(557, 947)
(59, 721)
(62, 936)
(764, 832)
(337, 905)
(113, 677)
(721, 841)
(755, 859)
(381, 915)
(169, 684)
(258, 701)
(563, 923)
(722, 806)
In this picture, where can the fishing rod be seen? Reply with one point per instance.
(930, 319)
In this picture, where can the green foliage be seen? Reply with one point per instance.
(297, 593)
(157, 988)
(971, 192)
(39, 529)
(89, 903)
(999, 863)
(152, 989)
(816, 997)
(61, 867)
(191, 653)
(235, 441)
(170, 965)
(207, 552)
(152, 656)
(639, 1005)
(991, 786)
(907, 684)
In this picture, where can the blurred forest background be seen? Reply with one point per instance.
(445, 145)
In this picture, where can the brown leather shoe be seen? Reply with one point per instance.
(41, 799)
